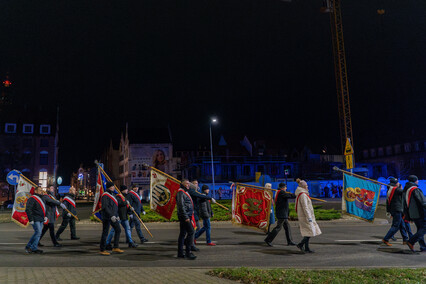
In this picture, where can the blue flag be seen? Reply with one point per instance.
(361, 197)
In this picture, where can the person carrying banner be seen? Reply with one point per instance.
(281, 210)
(205, 213)
(67, 218)
(123, 208)
(36, 213)
(195, 195)
(135, 202)
(51, 213)
(196, 206)
(110, 218)
(395, 207)
(415, 210)
(305, 214)
(271, 215)
(185, 212)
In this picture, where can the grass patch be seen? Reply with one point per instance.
(220, 214)
(277, 275)
(5, 218)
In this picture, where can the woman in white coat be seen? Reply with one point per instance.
(305, 214)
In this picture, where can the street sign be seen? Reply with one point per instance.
(349, 161)
(286, 172)
(13, 177)
(348, 147)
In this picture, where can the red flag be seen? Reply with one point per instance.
(163, 193)
(23, 192)
(252, 207)
(97, 204)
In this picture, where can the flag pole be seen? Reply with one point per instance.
(119, 192)
(358, 176)
(220, 205)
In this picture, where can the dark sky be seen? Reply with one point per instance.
(263, 67)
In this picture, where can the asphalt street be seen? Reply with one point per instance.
(344, 243)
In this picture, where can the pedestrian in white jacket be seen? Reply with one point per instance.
(305, 214)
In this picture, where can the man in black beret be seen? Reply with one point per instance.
(415, 210)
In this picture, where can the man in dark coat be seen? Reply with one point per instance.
(110, 218)
(281, 211)
(395, 207)
(196, 198)
(36, 213)
(185, 212)
(51, 213)
(135, 202)
(205, 213)
(415, 210)
(123, 208)
(67, 218)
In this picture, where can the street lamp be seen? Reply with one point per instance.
(213, 120)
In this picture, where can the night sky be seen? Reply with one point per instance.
(264, 67)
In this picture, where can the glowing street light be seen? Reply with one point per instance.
(213, 120)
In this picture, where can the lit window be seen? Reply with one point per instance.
(42, 178)
(10, 128)
(28, 129)
(45, 129)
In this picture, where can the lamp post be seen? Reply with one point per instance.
(212, 121)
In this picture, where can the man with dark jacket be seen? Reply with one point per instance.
(415, 210)
(135, 202)
(52, 213)
(67, 218)
(205, 213)
(123, 208)
(36, 213)
(196, 198)
(395, 207)
(281, 211)
(110, 218)
(185, 212)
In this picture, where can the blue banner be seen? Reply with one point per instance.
(361, 197)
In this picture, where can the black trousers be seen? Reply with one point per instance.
(280, 223)
(305, 242)
(65, 222)
(105, 231)
(186, 236)
(51, 228)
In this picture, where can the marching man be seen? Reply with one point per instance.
(69, 202)
(36, 212)
(110, 218)
(135, 202)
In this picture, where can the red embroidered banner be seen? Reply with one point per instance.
(23, 192)
(163, 193)
(252, 207)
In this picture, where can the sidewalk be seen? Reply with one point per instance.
(96, 275)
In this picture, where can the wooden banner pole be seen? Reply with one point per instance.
(358, 176)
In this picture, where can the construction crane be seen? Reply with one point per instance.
(333, 7)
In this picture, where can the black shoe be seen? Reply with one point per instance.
(133, 245)
(195, 249)
(268, 243)
(58, 239)
(181, 256)
(108, 247)
(57, 245)
(40, 245)
(28, 250)
(38, 251)
(74, 238)
(190, 256)
(309, 251)
(393, 238)
(300, 246)
(291, 244)
(143, 240)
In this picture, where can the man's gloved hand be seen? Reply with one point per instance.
(114, 219)
(63, 206)
(213, 200)
(388, 214)
(131, 216)
(144, 213)
(69, 214)
(118, 218)
(32, 222)
(45, 219)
